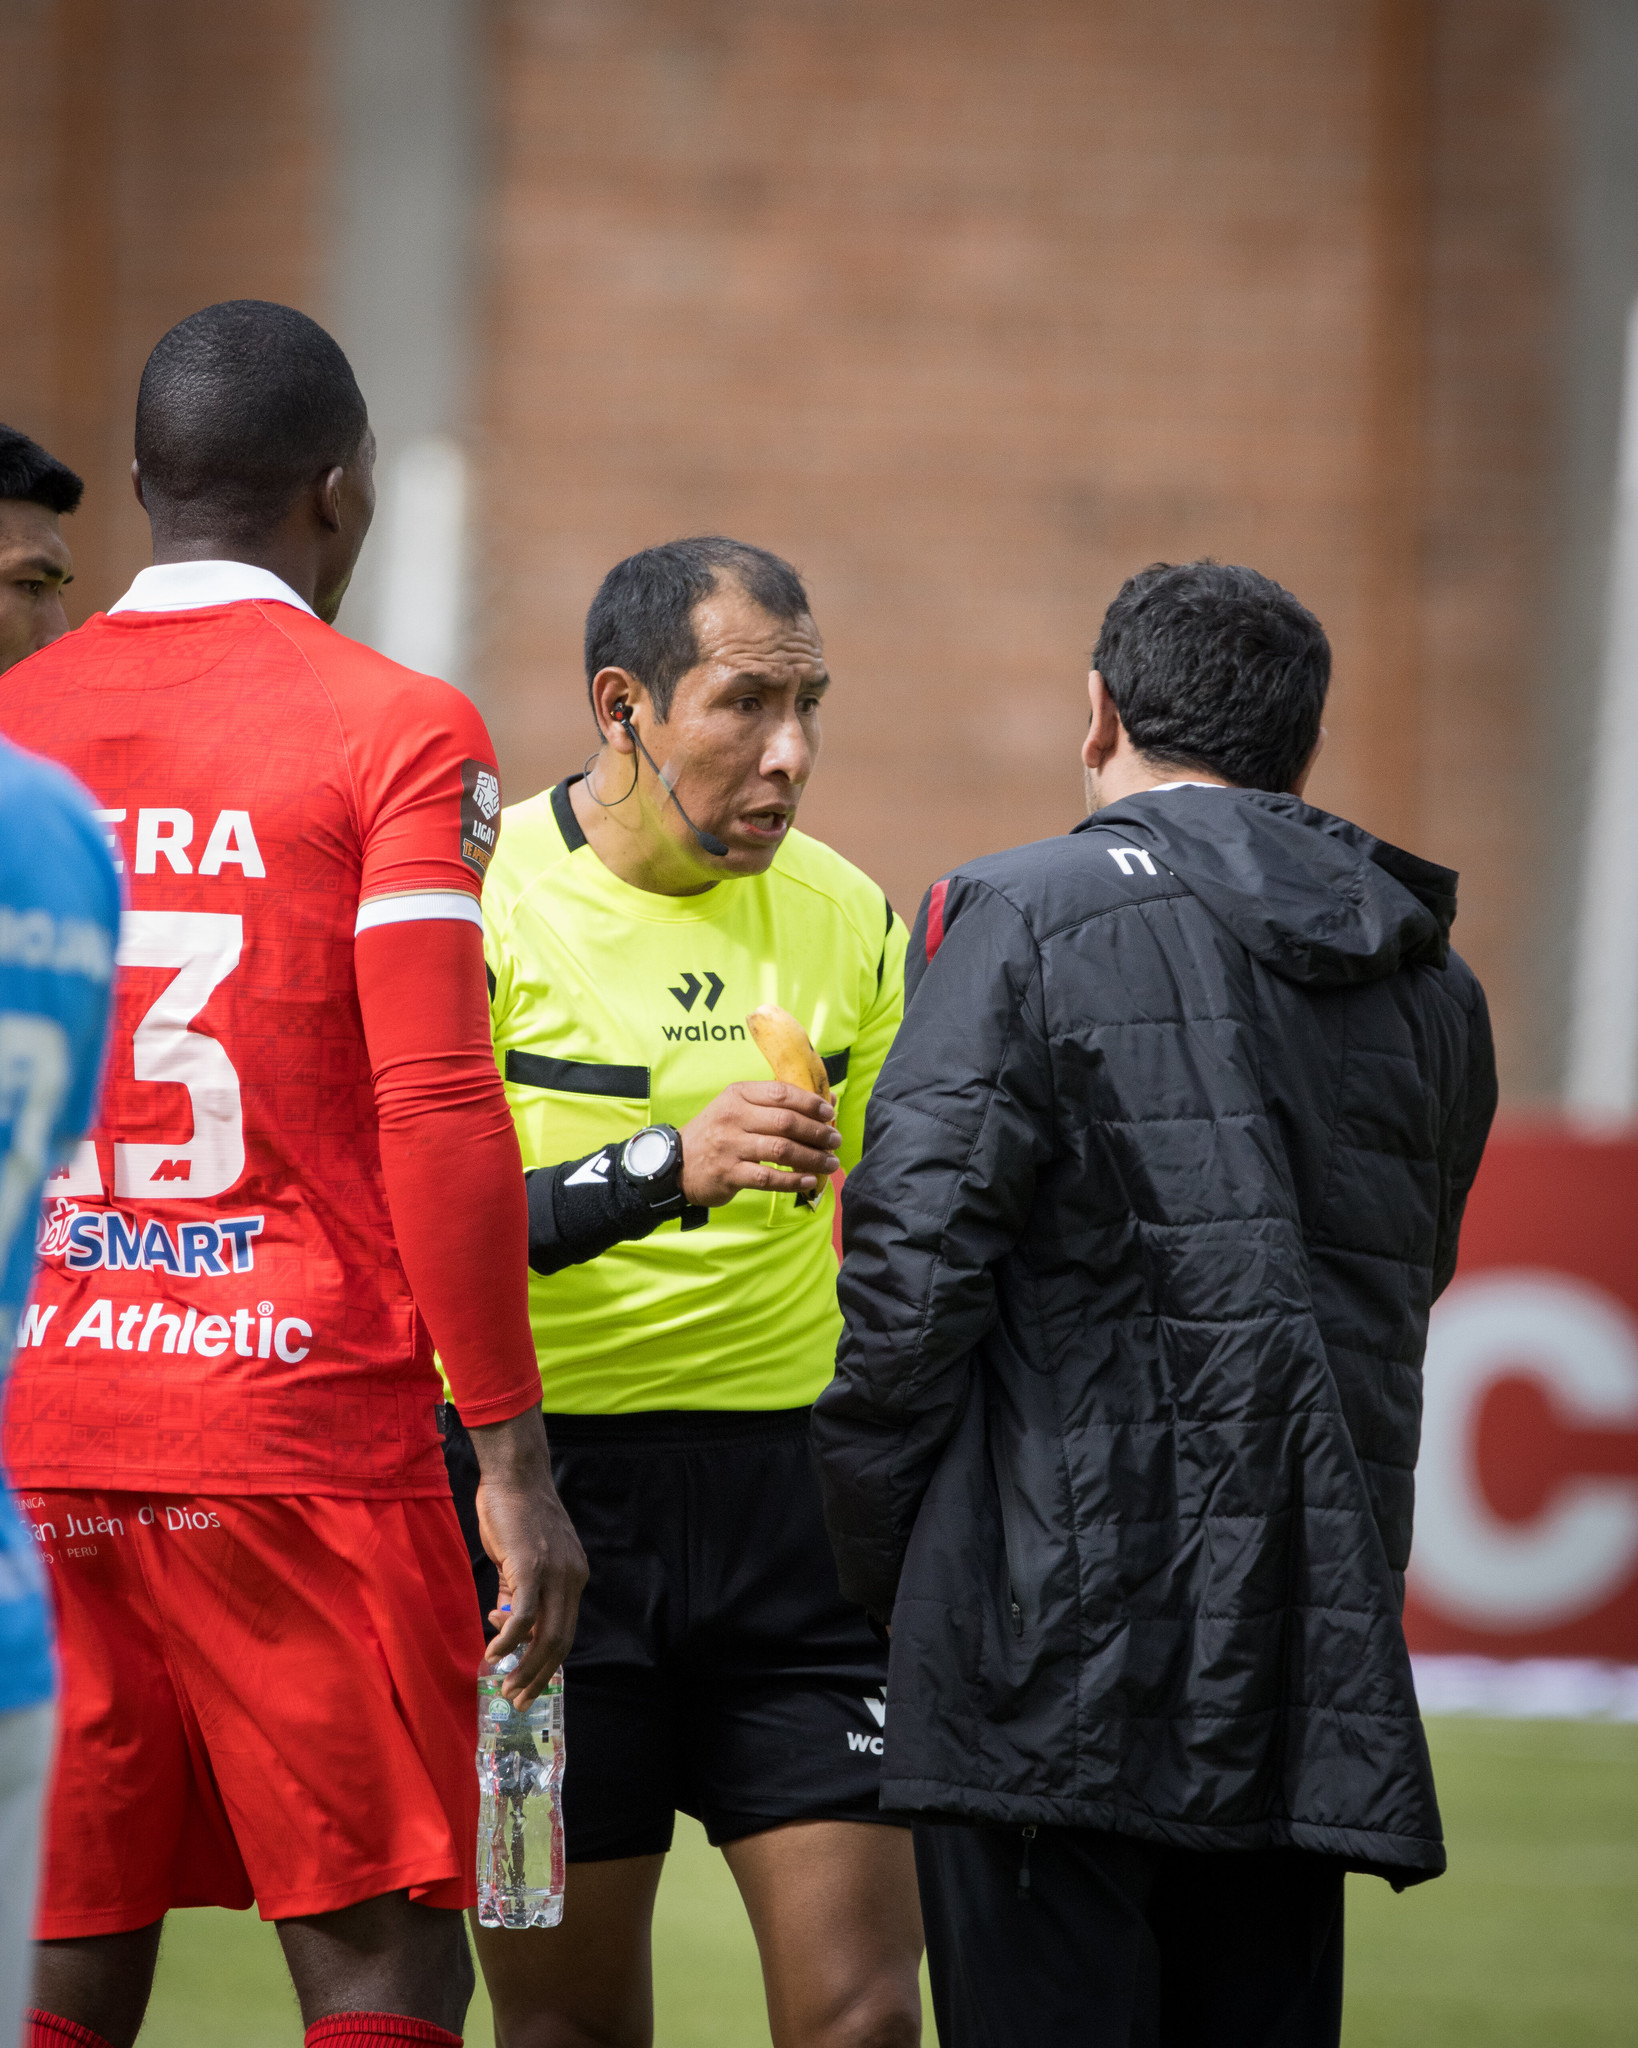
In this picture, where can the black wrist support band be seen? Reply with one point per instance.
(578, 1209)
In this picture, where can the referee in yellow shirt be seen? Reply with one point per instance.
(684, 1298)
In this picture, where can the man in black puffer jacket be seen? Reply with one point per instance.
(1159, 1184)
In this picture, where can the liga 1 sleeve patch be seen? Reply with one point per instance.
(480, 815)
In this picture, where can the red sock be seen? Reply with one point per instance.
(369, 2030)
(46, 2030)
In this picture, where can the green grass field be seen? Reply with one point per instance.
(1530, 1941)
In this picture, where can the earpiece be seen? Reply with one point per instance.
(708, 841)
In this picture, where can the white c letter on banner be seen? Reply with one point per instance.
(1582, 1345)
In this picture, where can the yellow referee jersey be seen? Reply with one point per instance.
(614, 1008)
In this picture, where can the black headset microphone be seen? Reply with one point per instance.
(708, 841)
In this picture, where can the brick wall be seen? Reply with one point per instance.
(971, 311)
(168, 155)
(1494, 701)
(968, 310)
(27, 190)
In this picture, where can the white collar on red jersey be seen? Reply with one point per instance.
(191, 586)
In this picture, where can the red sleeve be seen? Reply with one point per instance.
(429, 792)
(450, 1158)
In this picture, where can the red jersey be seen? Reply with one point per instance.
(221, 1304)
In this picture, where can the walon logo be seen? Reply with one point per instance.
(688, 989)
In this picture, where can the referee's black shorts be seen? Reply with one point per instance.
(716, 1667)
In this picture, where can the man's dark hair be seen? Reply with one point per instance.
(642, 618)
(30, 476)
(1213, 666)
(241, 407)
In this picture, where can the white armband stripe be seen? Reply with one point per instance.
(416, 904)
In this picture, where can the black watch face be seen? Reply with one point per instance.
(648, 1154)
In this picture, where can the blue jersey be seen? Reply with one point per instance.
(59, 925)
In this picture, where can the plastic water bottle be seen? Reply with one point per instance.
(520, 1810)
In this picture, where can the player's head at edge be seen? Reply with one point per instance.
(253, 445)
(705, 673)
(35, 490)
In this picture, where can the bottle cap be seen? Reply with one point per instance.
(502, 1665)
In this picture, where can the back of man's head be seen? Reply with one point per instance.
(1213, 666)
(242, 406)
(642, 618)
(29, 476)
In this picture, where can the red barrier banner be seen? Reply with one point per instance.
(1527, 1486)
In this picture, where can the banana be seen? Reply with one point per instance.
(789, 1051)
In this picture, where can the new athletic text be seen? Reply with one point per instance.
(168, 1327)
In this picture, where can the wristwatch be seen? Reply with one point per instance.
(651, 1163)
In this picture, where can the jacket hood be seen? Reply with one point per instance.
(1314, 898)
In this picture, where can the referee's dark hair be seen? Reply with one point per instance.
(1213, 666)
(642, 618)
(241, 407)
(29, 476)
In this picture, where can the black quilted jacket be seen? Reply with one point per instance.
(1159, 1183)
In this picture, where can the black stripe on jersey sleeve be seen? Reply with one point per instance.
(576, 1077)
(836, 1065)
(881, 964)
(489, 976)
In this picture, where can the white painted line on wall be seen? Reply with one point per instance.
(422, 585)
(1602, 1082)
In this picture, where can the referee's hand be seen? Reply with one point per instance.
(758, 1134)
(532, 1543)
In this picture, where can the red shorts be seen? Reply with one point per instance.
(264, 1698)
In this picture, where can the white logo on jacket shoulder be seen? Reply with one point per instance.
(1122, 856)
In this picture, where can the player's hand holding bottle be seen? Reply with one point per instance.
(532, 1542)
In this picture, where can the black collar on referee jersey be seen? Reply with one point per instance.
(573, 838)
(563, 811)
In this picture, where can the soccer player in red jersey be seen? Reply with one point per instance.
(223, 1417)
